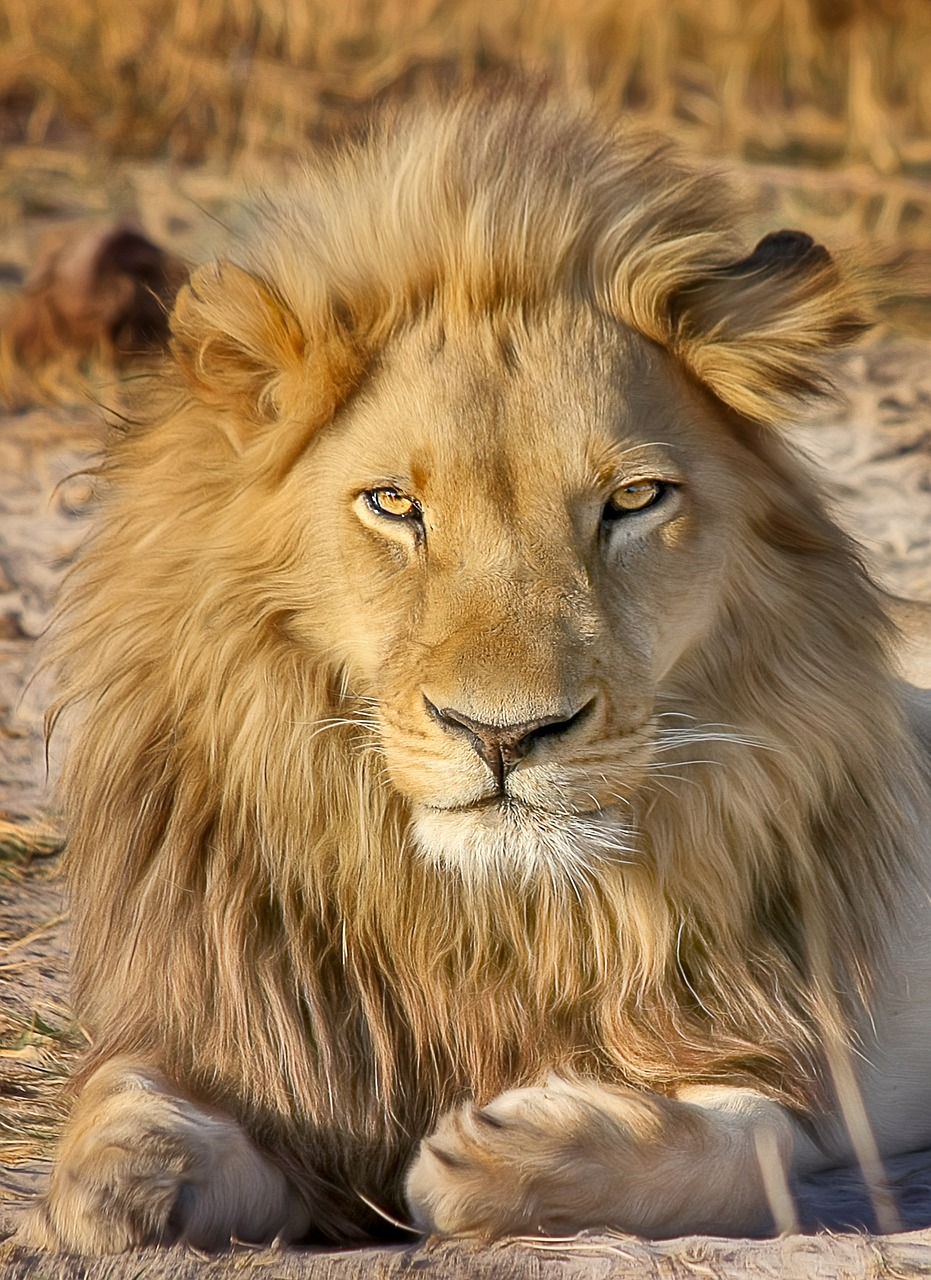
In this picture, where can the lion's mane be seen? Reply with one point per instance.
(249, 913)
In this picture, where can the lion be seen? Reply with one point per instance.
(492, 802)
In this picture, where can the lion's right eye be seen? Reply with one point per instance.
(394, 505)
(629, 499)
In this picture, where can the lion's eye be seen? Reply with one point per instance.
(631, 498)
(388, 502)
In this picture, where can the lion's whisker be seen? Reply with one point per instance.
(658, 766)
(670, 740)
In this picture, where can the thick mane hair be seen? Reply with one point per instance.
(249, 912)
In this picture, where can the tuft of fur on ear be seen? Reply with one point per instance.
(755, 331)
(235, 341)
(242, 350)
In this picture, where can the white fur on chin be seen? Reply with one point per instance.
(522, 840)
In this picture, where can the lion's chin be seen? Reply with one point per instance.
(521, 840)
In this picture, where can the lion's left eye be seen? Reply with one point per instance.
(628, 499)
(391, 503)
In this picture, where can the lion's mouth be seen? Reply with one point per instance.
(507, 806)
(505, 832)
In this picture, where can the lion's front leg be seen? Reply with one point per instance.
(140, 1164)
(574, 1154)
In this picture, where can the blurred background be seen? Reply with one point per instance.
(157, 108)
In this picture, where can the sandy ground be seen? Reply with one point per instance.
(874, 450)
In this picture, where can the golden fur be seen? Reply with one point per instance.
(285, 900)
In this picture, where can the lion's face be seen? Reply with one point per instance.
(515, 516)
(526, 529)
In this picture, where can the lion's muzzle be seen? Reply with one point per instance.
(502, 747)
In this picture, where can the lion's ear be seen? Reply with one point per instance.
(236, 343)
(755, 330)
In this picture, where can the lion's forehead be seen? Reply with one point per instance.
(517, 417)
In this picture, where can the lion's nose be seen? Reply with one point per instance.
(502, 746)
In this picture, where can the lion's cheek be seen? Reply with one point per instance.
(422, 767)
(425, 778)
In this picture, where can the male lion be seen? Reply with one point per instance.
(489, 796)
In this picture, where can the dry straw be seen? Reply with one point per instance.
(784, 80)
(827, 102)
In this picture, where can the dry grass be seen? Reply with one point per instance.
(798, 82)
(35, 1060)
(826, 80)
(823, 105)
(37, 1044)
(20, 843)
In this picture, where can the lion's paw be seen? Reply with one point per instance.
(572, 1155)
(523, 1164)
(140, 1165)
